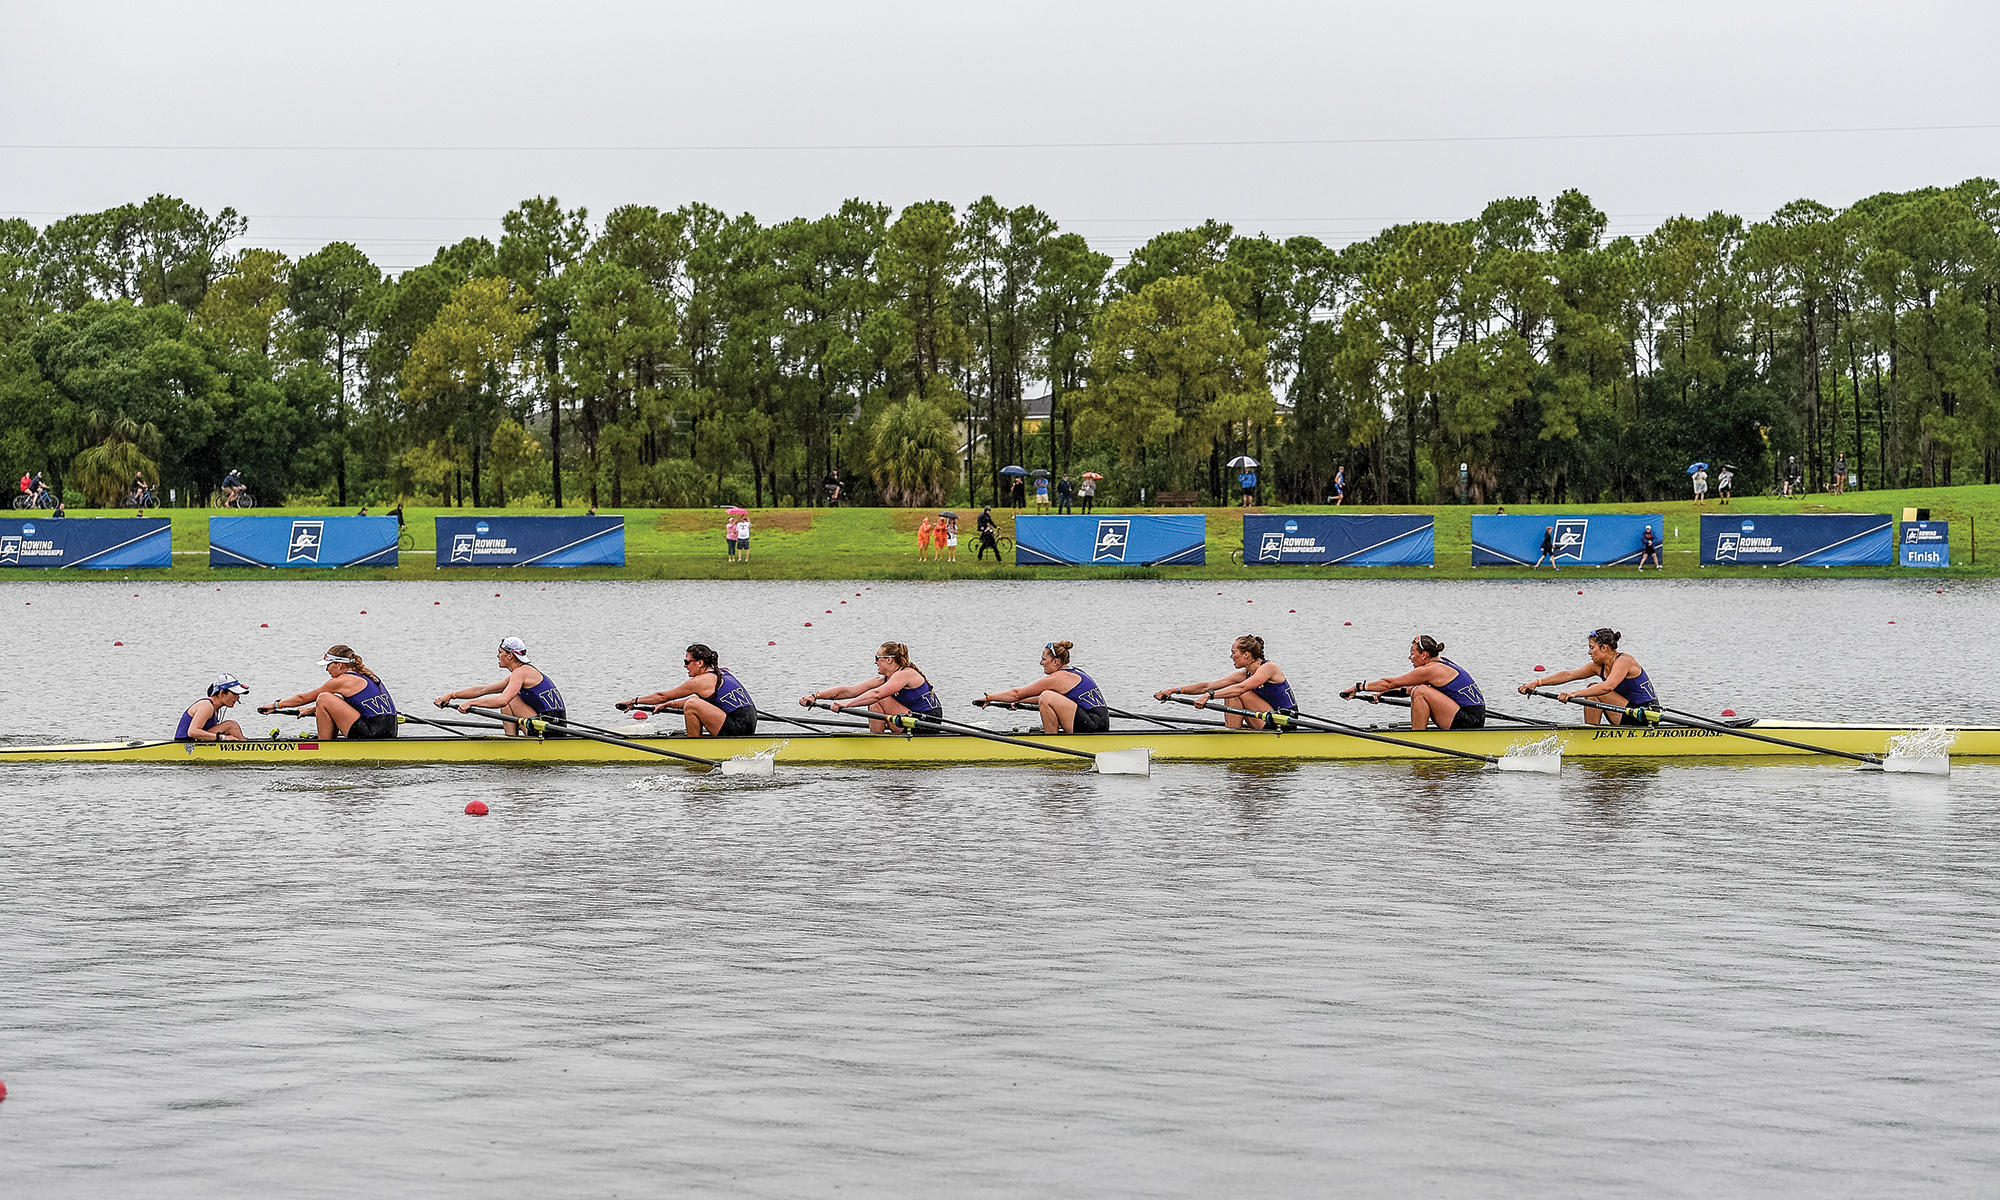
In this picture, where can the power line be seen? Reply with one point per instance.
(775, 148)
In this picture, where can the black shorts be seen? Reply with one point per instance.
(372, 729)
(1472, 716)
(1092, 720)
(740, 723)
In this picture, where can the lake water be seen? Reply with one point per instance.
(1386, 979)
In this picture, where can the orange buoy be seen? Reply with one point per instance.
(476, 809)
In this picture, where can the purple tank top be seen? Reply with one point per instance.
(187, 720)
(1462, 688)
(919, 699)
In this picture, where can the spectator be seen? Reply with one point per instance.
(832, 486)
(1794, 476)
(1500, 511)
(1086, 491)
(1018, 493)
(1064, 491)
(1725, 482)
(1247, 481)
(743, 538)
(61, 510)
(1839, 473)
(1700, 481)
(729, 535)
(1548, 550)
(1339, 486)
(989, 534)
(1649, 549)
(364, 512)
(924, 540)
(951, 539)
(397, 512)
(1041, 493)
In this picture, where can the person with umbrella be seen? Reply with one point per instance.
(1016, 491)
(1248, 479)
(1698, 475)
(731, 530)
(1086, 491)
(946, 534)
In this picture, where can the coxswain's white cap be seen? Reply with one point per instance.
(227, 683)
(516, 647)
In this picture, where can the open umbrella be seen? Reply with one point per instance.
(1693, 467)
(948, 513)
(1092, 475)
(1242, 460)
(1013, 470)
(1040, 472)
(739, 512)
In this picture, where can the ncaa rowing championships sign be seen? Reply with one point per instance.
(1340, 539)
(87, 543)
(497, 541)
(1797, 540)
(302, 541)
(1584, 539)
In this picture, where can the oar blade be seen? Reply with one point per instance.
(1916, 766)
(1125, 762)
(758, 766)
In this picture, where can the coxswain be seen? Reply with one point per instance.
(202, 721)
(1440, 691)
(1619, 677)
(712, 701)
(526, 693)
(1256, 684)
(1070, 699)
(896, 689)
(352, 702)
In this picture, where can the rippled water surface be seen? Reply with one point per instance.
(1636, 979)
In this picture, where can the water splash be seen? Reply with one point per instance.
(1547, 745)
(1932, 741)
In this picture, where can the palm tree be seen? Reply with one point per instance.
(915, 453)
(119, 449)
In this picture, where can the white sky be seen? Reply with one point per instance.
(401, 126)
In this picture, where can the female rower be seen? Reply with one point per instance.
(202, 722)
(1620, 679)
(1069, 699)
(352, 701)
(896, 688)
(712, 701)
(1256, 683)
(526, 692)
(1441, 693)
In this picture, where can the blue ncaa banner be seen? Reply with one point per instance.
(1924, 544)
(530, 541)
(1341, 539)
(1111, 540)
(302, 541)
(1797, 540)
(1584, 539)
(89, 543)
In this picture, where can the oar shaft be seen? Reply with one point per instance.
(1170, 723)
(585, 731)
(989, 735)
(1403, 702)
(1282, 719)
(1657, 718)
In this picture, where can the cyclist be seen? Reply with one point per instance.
(233, 488)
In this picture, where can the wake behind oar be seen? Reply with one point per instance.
(1534, 758)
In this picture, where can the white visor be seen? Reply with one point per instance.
(335, 658)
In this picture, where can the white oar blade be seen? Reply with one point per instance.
(1540, 764)
(1916, 766)
(1125, 762)
(759, 766)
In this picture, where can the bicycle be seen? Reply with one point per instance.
(405, 540)
(142, 500)
(43, 499)
(243, 500)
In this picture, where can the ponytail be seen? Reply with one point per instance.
(1060, 651)
(1251, 645)
(354, 662)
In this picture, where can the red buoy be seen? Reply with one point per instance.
(1539, 668)
(809, 624)
(122, 643)
(364, 612)
(437, 602)
(639, 714)
(770, 643)
(3, 1090)
(843, 602)
(476, 809)
(1728, 712)
(1291, 610)
(265, 625)
(1347, 622)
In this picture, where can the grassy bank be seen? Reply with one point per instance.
(880, 543)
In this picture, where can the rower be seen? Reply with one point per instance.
(1441, 693)
(1256, 684)
(202, 721)
(526, 693)
(352, 702)
(896, 689)
(712, 701)
(1070, 699)
(1620, 678)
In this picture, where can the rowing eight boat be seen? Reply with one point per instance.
(1167, 745)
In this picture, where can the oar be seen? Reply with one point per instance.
(451, 727)
(1401, 702)
(812, 723)
(1940, 765)
(1170, 722)
(754, 765)
(1108, 762)
(1546, 764)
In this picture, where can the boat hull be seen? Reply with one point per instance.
(877, 750)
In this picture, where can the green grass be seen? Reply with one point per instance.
(878, 543)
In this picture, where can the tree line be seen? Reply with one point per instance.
(686, 357)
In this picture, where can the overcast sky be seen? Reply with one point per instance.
(400, 126)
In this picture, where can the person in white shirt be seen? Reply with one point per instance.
(1724, 481)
